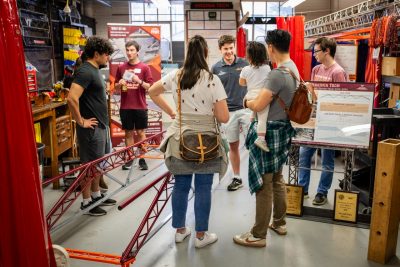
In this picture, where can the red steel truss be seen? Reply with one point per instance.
(88, 171)
(160, 200)
(163, 186)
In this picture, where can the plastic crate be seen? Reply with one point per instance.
(32, 82)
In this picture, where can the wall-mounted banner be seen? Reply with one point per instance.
(148, 37)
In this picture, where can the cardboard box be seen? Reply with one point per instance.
(391, 66)
(394, 95)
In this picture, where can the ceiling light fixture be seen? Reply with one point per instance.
(292, 3)
(67, 9)
(161, 3)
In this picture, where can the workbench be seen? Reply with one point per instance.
(56, 134)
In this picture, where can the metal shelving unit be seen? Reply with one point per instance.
(357, 16)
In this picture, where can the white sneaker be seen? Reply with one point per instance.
(261, 143)
(208, 239)
(180, 237)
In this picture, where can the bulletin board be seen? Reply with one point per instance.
(222, 22)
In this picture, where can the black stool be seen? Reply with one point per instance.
(71, 162)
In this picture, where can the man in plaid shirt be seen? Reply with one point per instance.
(265, 168)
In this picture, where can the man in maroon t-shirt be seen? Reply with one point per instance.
(134, 79)
(327, 71)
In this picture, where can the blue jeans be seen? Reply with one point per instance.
(202, 200)
(328, 163)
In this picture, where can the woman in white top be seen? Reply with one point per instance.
(254, 77)
(203, 99)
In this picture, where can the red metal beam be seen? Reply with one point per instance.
(149, 219)
(88, 171)
(97, 257)
(125, 203)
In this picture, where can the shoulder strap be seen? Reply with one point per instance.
(292, 74)
(277, 97)
(179, 101)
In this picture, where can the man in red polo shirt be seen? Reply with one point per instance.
(135, 79)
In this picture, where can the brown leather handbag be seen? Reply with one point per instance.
(301, 107)
(197, 146)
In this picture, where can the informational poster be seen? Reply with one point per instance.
(346, 56)
(148, 37)
(342, 118)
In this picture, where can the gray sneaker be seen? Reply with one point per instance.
(235, 184)
(127, 166)
(319, 199)
(96, 211)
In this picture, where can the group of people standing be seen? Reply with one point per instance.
(236, 93)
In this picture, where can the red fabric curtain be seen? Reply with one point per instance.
(307, 65)
(24, 236)
(241, 43)
(281, 23)
(295, 25)
(375, 74)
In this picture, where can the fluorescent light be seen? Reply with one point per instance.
(161, 3)
(292, 3)
(105, 2)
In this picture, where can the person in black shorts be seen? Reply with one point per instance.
(88, 105)
(134, 79)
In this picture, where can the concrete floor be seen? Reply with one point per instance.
(307, 244)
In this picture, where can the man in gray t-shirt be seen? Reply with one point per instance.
(265, 168)
(281, 83)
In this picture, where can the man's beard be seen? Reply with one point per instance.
(102, 66)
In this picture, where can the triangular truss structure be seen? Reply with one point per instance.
(357, 16)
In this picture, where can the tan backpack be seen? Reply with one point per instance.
(301, 107)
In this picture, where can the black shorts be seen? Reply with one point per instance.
(93, 143)
(133, 119)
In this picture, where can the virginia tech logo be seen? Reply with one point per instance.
(155, 31)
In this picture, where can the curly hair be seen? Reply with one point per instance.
(99, 45)
(256, 54)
